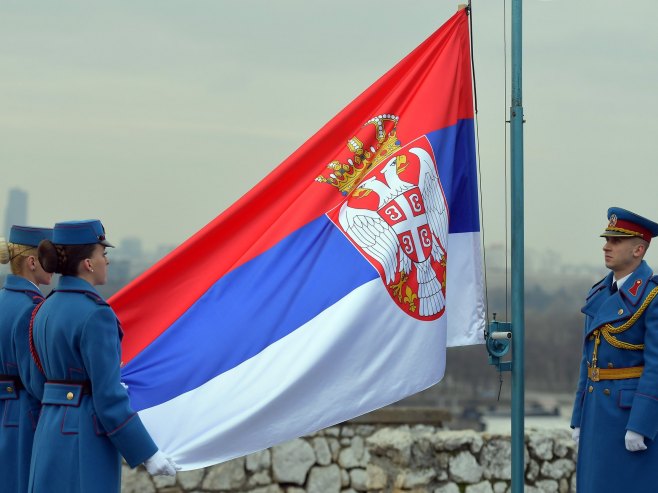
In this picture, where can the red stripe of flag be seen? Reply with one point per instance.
(420, 90)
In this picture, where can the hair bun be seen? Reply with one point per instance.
(4, 251)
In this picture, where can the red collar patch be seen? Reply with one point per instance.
(636, 286)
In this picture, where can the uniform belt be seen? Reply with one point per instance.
(596, 374)
(18, 383)
(84, 384)
(65, 392)
(9, 386)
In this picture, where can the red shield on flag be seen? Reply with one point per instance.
(405, 214)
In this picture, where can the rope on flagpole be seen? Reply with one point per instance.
(506, 162)
(469, 12)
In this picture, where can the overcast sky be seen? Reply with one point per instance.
(157, 115)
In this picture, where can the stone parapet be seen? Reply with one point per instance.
(381, 458)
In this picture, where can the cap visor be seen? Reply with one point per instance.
(106, 243)
(617, 234)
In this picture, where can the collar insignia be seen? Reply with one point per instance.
(636, 286)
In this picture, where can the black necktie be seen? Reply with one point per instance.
(613, 288)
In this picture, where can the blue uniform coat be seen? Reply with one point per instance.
(19, 411)
(605, 409)
(80, 437)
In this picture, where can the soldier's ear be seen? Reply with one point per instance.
(640, 249)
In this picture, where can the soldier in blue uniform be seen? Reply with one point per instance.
(19, 411)
(86, 421)
(615, 414)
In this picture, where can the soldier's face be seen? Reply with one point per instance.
(621, 254)
(99, 263)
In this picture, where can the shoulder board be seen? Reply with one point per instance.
(654, 279)
(34, 295)
(92, 296)
(26, 292)
(595, 289)
(97, 299)
(36, 299)
(597, 283)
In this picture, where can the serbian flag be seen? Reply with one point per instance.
(332, 287)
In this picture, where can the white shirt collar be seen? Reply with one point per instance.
(620, 282)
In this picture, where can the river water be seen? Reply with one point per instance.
(503, 424)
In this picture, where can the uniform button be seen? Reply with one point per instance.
(610, 365)
(606, 391)
(69, 396)
(10, 389)
(591, 338)
(620, 312)
(591, 388)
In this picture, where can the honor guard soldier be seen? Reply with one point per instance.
(86, 421)
(19, 411)
(615, 414)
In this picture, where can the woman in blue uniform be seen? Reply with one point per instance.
(19, 411)
(86, 421)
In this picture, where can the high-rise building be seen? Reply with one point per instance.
(130, 247)
(16, 212)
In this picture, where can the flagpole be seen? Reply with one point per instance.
(517, 223)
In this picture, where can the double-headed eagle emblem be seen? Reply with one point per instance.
(398, 217)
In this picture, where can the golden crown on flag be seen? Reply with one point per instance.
(365, 155)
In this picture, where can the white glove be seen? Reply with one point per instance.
(161, 465)
(634, 441)
(575, 434)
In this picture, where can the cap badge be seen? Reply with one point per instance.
(613, 221)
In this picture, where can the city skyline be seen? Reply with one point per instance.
(16, 209)
(156, 117)
(497, 256)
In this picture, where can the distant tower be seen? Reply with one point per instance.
(16, 209)
(131, 247)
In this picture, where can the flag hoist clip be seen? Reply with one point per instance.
(498, 339)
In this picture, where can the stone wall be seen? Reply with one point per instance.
(353, 457)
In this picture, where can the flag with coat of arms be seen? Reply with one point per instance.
(330, 289)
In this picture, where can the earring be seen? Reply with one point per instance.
(91, 270)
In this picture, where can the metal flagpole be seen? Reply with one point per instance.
(517, 224)
(500, 334)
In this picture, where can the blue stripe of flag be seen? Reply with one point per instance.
(454, 150)
(250, 308)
